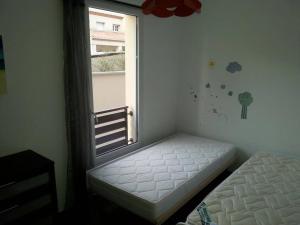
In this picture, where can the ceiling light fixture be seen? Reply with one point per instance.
(168, 8)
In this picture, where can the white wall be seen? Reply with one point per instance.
(264, 36)
(32, 113)
(108, 90)
(159, 76)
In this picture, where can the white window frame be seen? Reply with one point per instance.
(115, 7)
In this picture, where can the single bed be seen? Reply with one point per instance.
(265, 190)
(157, 180)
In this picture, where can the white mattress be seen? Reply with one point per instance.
(159, 179)
(263, 191)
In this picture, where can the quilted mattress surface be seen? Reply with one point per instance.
(265, 190)
(160, 178)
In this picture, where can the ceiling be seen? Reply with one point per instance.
(134, 2)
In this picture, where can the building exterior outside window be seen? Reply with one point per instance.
(100, 26)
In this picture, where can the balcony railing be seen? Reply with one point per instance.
(111, 129)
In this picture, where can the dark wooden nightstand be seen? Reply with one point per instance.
(27, 189)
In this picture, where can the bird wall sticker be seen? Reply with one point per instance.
(194, 93)
(245, 100)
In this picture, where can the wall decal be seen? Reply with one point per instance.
(217, 111)
(207, 85)
(245, 100)
(230, 93)
(211, 63)
(234, 67)
(2, 69)
(194, 94)
(195, 97)
(223, 86)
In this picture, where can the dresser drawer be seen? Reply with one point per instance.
(27, 189)
(16, 211)
(15, 188)
(47, 220)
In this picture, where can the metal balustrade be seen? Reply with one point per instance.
(111, 129)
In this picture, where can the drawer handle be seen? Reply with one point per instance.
(9, 209)
(6, 185)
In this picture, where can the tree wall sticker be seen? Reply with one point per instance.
(245, 100)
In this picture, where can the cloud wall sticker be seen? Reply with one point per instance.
(234, 67)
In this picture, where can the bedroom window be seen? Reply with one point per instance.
(114, 64)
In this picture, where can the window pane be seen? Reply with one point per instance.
(100, 25)
(108, 63)
(114, 76)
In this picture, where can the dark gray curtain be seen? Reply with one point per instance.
(78, 117)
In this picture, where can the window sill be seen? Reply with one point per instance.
(115, 154)
(109, 73)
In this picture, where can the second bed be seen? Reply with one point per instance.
(265, 190)
(157, 180)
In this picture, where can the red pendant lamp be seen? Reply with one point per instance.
(167, 8)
